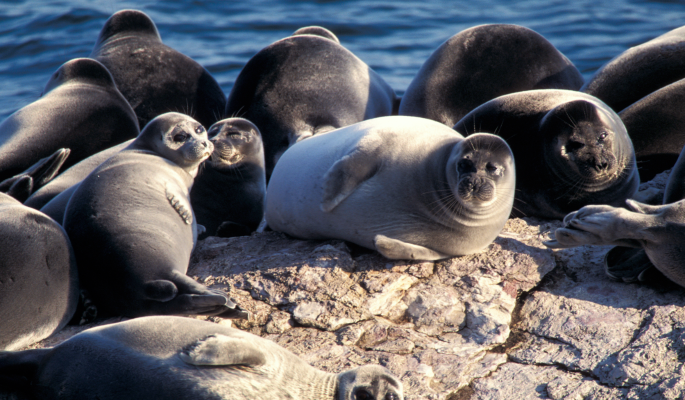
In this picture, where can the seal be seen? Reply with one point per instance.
(229, 193)
(38, 276)
(183, 358)
(408, 187)
(317, 31)
(658, 230)
(304, 85)
(152, 76)
(132, 227)
(654, 124)
(23, 185)
(571, 150)
(640, 70)
(481, 63)
(80, 109)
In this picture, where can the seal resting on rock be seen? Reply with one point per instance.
(183, 358)
(571, 150)
(228, 195)
(304, 85)
(38, 277)
(481, 63)
(80, 109)
(152, 76)
(408, 187)
(133, 229)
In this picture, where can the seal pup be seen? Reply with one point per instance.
(152, 76)
(80, 109)
(183, 358)
(481, 63)
(640, 70)
(655, 125)
(304, 85)
(571, 150)
(38, 277)
(132, 227)
(408, 187)
(231, 189)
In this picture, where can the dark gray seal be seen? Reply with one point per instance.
(640, 70)
(408, 187)
(152, 76)
(80, 109)
(133, 229)
(655, 125)
(38, 277)
(571, 150)
(481, 63)
(304, 85)
(183, 358)
(229, 192)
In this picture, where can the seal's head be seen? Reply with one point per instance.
(178, 138)
(480, 172)
(128, 23)
(586, 146)
(369, 382)
(80, 70)
(236, 141)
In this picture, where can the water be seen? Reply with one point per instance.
(393, 37)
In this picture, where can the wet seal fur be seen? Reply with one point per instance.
(481, 63)
(183, 358)
(229, 193)
(131, 225)
(80, 109)
(304, 85)
(571, 150)
(38, 276)
(152, 76)
(408, 187)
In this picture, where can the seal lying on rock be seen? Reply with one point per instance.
(183, 358)
(38, 276)
(408, 187)
(481, 63)
(571, 150)
(80, 109)
(304, 85)
(133, 229)
(152, 76)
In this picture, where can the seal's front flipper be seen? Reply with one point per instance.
(217, 350)
(160, 290)
(343, 178)
(398, 250)
(18, 368)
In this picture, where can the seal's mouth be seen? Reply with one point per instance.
(476, 189)
(227, 155)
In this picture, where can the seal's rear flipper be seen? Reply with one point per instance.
(398, 250)
(26, 183)
(219, 350)
(18, 368)
(626, 264)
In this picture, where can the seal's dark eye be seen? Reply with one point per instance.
(362, 394)
(603, 136)
(179, 137)
(492, 168)
(199, 129)
(391, 396)
(465, 166)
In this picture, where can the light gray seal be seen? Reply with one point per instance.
(481, 63)
(152, 76)
(571, 150)
(80, 109)
(408, 187)
(38, 276)
(302, 86)
(640, 70)
(133, 229)
(183, 358)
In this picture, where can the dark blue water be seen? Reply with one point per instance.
(393, 37)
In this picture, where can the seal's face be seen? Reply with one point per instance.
(369, 382)
(235, 141)
(479, 168)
